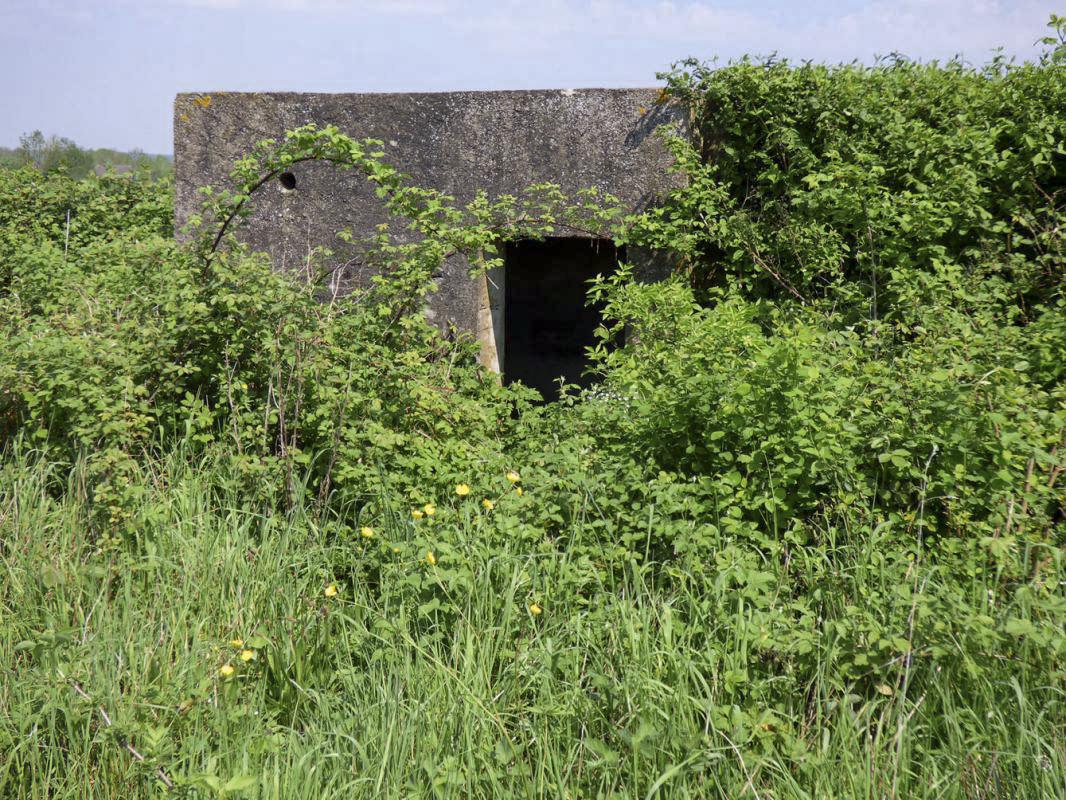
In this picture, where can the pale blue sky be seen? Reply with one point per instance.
(105, 72)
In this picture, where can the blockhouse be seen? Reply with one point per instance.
(530, 318)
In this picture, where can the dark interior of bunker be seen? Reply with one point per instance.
(549, 323)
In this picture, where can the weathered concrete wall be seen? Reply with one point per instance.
(455, 142)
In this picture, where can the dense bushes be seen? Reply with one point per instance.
(874, 190)
(123, 342)
(872, 312)
(869, 309)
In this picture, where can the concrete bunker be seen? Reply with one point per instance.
(530, 319)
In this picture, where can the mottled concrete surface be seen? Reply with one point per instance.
(456, 142)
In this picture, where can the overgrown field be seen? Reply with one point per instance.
(804, 539)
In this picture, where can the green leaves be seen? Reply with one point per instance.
(876, 230)
(816, 184)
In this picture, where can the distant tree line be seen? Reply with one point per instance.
(58, 153)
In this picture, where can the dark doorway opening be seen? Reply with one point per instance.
(548, 324)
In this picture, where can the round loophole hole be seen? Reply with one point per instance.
(287, 181)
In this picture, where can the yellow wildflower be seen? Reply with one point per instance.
(247, 655)
(225, 670)
(518, 491)
(487, 504)
(430, 558)
(236, 642)
(367, 532)
(513, 477)
(462, 490)
(417, 514)
(535, 609)
(430, 509)
(331, 590)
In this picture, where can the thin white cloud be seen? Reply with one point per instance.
(823, 30)
(82, 9)
(928, 28)
(922, 28)
(602, 18)
(37, 9)
(383, 7)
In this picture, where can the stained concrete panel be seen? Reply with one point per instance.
(455, 142)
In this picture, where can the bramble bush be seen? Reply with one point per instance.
(869, 315)
(121, 344)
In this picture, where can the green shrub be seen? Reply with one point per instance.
(120, 343)
(867, 319)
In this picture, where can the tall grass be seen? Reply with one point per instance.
(648, 687)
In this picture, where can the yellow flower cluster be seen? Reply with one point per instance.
(245, 655)
(331, 590)
(428, 510)
(462, 490)
(368, 533)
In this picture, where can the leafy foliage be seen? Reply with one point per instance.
(873, 190)
(120, 344)
(870, 306)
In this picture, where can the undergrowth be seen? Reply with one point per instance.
(465, 653)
